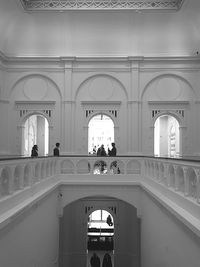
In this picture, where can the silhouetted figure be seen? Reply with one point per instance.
(95, 260)
(101, 151)
(34, 151)
(56, 151)
(107, 261)
(94, 150)
(109, 220)
(112, 152)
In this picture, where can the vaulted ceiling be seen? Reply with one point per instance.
(161, 28)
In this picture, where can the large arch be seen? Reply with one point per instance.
(166, 94)
(73, 224)
(99, 94)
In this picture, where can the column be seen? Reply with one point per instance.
(68, 108)
(20, 140)
(134, 130)
(51, 140)
(183, 140)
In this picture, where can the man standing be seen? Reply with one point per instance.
(113, 151)
(56, 151)
(95, 260)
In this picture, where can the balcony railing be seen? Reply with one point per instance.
(171, 177)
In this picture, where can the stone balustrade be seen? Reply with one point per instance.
(182, 176)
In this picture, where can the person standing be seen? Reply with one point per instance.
(113, 151)
(34, 151)
(95, 260)
(109, 220)
(56, 151)
(107, 261)
(101, 151)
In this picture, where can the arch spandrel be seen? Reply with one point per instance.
(91, 89)
(172, 86)
(46, 88)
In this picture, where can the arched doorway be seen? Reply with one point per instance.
(36, 131)
(100, 236)
(76, 220)
(100, 131)
(166, 137)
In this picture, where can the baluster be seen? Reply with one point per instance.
(186, 182)
(176, 177)
(11, 179)
(166, 175)
(197, 172)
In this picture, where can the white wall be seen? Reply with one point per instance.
(132, 87)
(165, 241)
(32, 239)
(98, 32)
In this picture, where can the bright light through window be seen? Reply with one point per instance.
(101, 131)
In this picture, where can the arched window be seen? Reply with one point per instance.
(166, 137)
(36, 131)
(101, 131)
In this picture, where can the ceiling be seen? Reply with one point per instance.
(169, 28)
(62, 5)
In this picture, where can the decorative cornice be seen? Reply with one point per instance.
(31, 105)
(160, 102)
(138, 5)
(69, 60)
(84, 103)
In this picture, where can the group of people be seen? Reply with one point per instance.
(56, 151)
(95, 260)
(101, 152)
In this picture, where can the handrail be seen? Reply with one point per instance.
(180, 177)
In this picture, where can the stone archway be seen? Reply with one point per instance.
(74, 229)
(100, 131)
(166, 136)
(35, 131)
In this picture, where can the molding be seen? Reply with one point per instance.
(44, 59)
(41, 102)
(104, 103)
(68, 102)
(32, 105)
(160, 103)
(134, 102)
(61, 5)
(4, 101)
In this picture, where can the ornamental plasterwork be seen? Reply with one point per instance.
(62, 5)
(29, 107)
(179, 112)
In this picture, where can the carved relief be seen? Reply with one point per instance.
(101, 5)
